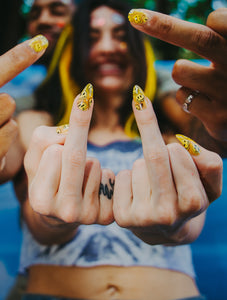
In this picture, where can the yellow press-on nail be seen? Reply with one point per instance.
(38, 43)
(139, 98)
(63, 129)
(137, 17)
(86, 97)
(190, 145)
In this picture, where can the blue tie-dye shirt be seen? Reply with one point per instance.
(95, 245)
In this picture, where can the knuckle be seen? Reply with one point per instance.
(53, 151)
(106, 218)
(68, 216)
(93, 163)
(138, 164)
(142, 216)
(165, 215)
(7, 103)
(214, 166)
(191, 202)
(174, 147)
(213, 16)
(90, 214)
(75, 157)
(39, 134)
(204, 40)
(37, 203)
(121, 217)
(164, 26)
(9, 130)
(178, 69)
(148, 120)
(81, 120)
(158, 156)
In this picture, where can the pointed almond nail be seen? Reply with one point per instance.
(139, 98)
(39, 43)
(86, 97)
(190, 145)
(137, 17)
(63, 129)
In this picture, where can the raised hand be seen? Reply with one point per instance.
(161, 197)
(12, 63)
(64, 185)
(208, 41)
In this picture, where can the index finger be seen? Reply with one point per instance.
(20, 57)
(195, 37)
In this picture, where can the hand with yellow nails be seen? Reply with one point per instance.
(204, 89)
(102, 198)
(70, 193)
(12, 63)
(164, 197)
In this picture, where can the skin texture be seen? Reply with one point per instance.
(13, 62)
(154, 199)
(208, 41)
(151, 198)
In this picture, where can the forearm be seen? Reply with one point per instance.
(47, 230)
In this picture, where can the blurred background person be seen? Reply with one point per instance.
(47, 17)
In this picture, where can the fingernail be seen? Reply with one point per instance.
(63, 129)
(86, 97)
(39, 43)
(139, 98)
(2, 163)
(190, 145)
(137, 17)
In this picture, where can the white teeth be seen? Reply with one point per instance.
(108, 67)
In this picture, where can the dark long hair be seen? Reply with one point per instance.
(81, 46)
(49, 95)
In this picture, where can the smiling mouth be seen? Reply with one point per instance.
(110, 69)
(50, 35)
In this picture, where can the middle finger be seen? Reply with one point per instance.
(155, 151)
(74, 153)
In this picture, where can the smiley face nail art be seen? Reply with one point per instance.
(63, 129)
(38, 43)
(190, 145)
(85, 98)
(137, 17)
(139, 98)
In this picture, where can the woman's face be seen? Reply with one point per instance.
(109, 66)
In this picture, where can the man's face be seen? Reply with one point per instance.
(49, 17)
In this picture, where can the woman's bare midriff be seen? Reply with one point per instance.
(110, 282)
